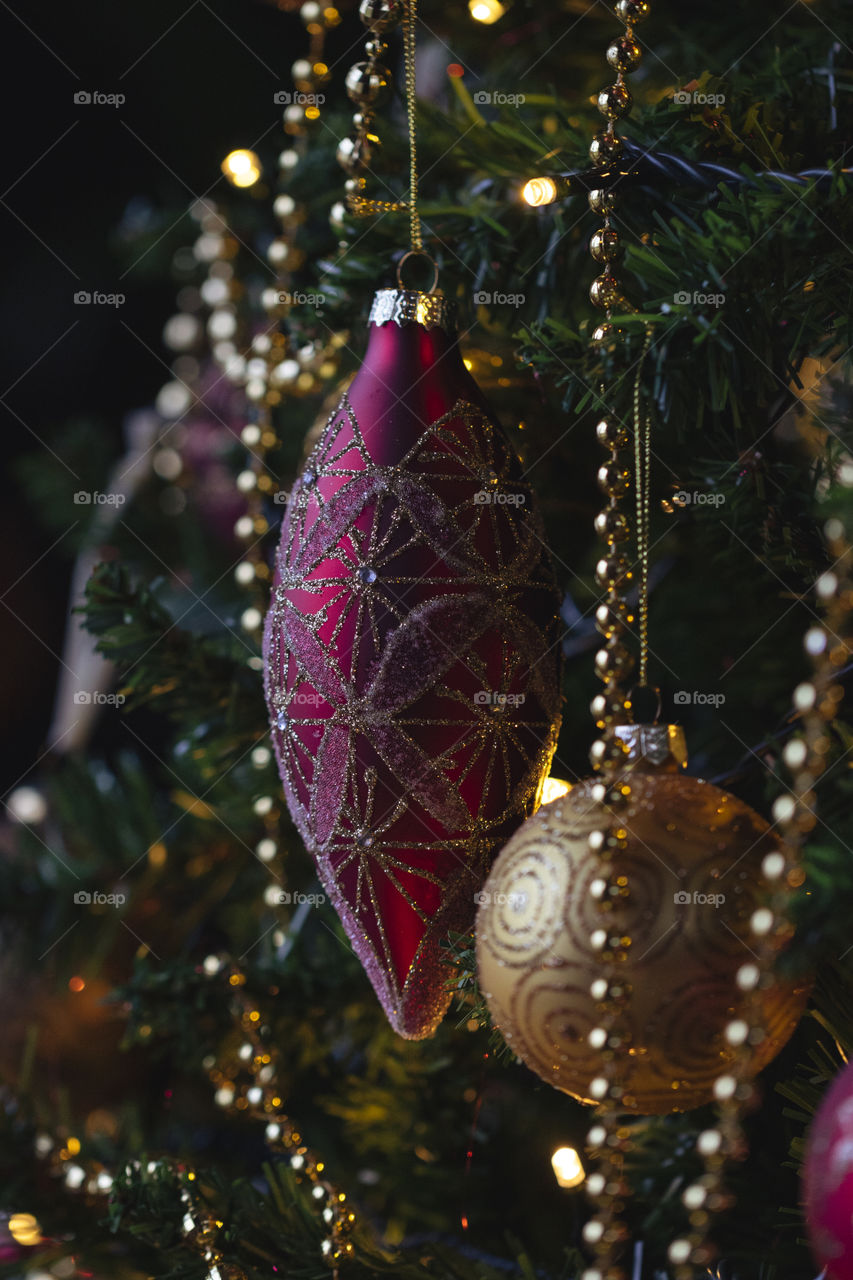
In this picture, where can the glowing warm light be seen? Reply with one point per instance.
(567, 1167)
(539, 191)
(241, 168)
(157, 854)
(76, 984)
(487, 11)
(553, 788)
(24, 1229)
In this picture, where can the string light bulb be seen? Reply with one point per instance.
(539, 191)
(486, 11)
(24, 1229)
(242, 168)
(567, 1167)
(553, 788)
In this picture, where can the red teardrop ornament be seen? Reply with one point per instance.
(412, 653)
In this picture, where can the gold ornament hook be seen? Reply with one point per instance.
(653, 688)
(417, 253)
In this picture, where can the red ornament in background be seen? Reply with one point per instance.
(828, 1179)
(412, 653)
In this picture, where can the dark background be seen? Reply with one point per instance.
(199, 79)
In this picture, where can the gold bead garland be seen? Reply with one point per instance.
(354, 153)
(816, 704)
(792, 813)
(201, 1229)
(267, 364)
(367, 83)
(608, 1138)
(216, 248)
(247, 1083)
(614, 102)
(96, 1183)
(272, 367)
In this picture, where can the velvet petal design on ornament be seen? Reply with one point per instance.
(412, 675)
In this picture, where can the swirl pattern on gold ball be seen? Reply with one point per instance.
(693, 864)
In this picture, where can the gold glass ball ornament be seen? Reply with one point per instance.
(609, 340)
(615, 101)
(624, 54)
(356, 151)
(381, 15)
(605, 290)
(600, 200)
(604, 150)
(681, 894)
(611, 434)
(367, 83)
(613, 478)
(606, 245)
(611, 525)
(632, 11)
